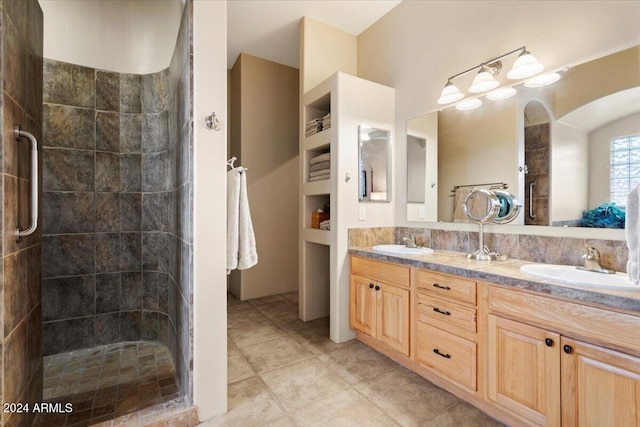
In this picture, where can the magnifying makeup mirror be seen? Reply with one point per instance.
(485, 207)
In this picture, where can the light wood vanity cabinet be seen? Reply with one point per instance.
(523, 357)
(549, 379)
(379, 302)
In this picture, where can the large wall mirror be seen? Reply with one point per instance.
(560, 149)
(374, 164)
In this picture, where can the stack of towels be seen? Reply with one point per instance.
(326, 122)
(325, 225)
(317, 125)
(320, 167)
(313, 126)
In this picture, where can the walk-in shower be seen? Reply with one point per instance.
(98, 301)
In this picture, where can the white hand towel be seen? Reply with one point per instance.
(632, 232)
(247, 254)
(320, 166)
(233, 218)
(321, 158)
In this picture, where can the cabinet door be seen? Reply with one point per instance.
(600, 387)
(393, 317)
(362, 305)
(523, 370)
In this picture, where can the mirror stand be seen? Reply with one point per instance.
(483, 253)
(484, 207)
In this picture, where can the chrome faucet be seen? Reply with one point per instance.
(410, 242)
(591, 259)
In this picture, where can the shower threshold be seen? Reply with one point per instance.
(127, 380)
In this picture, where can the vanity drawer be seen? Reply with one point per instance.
(447, 315)
(381, 271)
(452, 356)
(446, 286)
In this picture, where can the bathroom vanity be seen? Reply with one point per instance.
(527, 352)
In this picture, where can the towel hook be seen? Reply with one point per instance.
(212, 122)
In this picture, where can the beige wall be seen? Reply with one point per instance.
(210, 214)
(264, 137)
(569, 177)
(324, 50)
(599, 155)
(479, 149)
(596, 79)
(414, 48)
(117, 35)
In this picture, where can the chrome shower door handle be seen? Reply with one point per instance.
(531, 214)
(33, 206)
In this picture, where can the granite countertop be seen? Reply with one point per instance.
(506, 272)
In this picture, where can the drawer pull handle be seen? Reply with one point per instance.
(436, 285)
(377, 288)
(370, 285)
(567, 349)
(548, 342)
(446, 356)
(437, 310)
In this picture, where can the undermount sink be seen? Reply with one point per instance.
(401, 250)
(571, 275)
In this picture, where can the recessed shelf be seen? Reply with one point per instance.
(317, 188)
(315, 235)
(318, 141)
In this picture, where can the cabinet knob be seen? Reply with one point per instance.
(446, 356)
(548, 342)
(437, 310)
(377, 288)
(370, 285)
(567, 349)
(437, 285)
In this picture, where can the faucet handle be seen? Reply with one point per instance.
(591, 253)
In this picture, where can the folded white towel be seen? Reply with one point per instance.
(632, 232)
(321, 158)
(320, 177)
(241, 242)
(320, 172)
(320, 166)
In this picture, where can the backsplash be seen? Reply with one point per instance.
(550, 250)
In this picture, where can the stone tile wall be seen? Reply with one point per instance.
(551, 250)
(21, 29)
(117, 207)
(537, 157)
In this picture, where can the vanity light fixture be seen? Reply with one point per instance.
(450, 94)
(468, 104)
(524, 66)
(501, 93)
(543, 80)
(484, 80)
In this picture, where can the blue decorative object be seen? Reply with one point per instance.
(606, 215)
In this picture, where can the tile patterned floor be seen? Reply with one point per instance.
(285, 372)
(126, 381)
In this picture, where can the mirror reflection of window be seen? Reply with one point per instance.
(625, 167)
(416, 168)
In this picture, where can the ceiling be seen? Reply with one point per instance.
(269, 28)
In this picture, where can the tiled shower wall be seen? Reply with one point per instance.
(117, 249)
(537, 157)
(21, 27)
